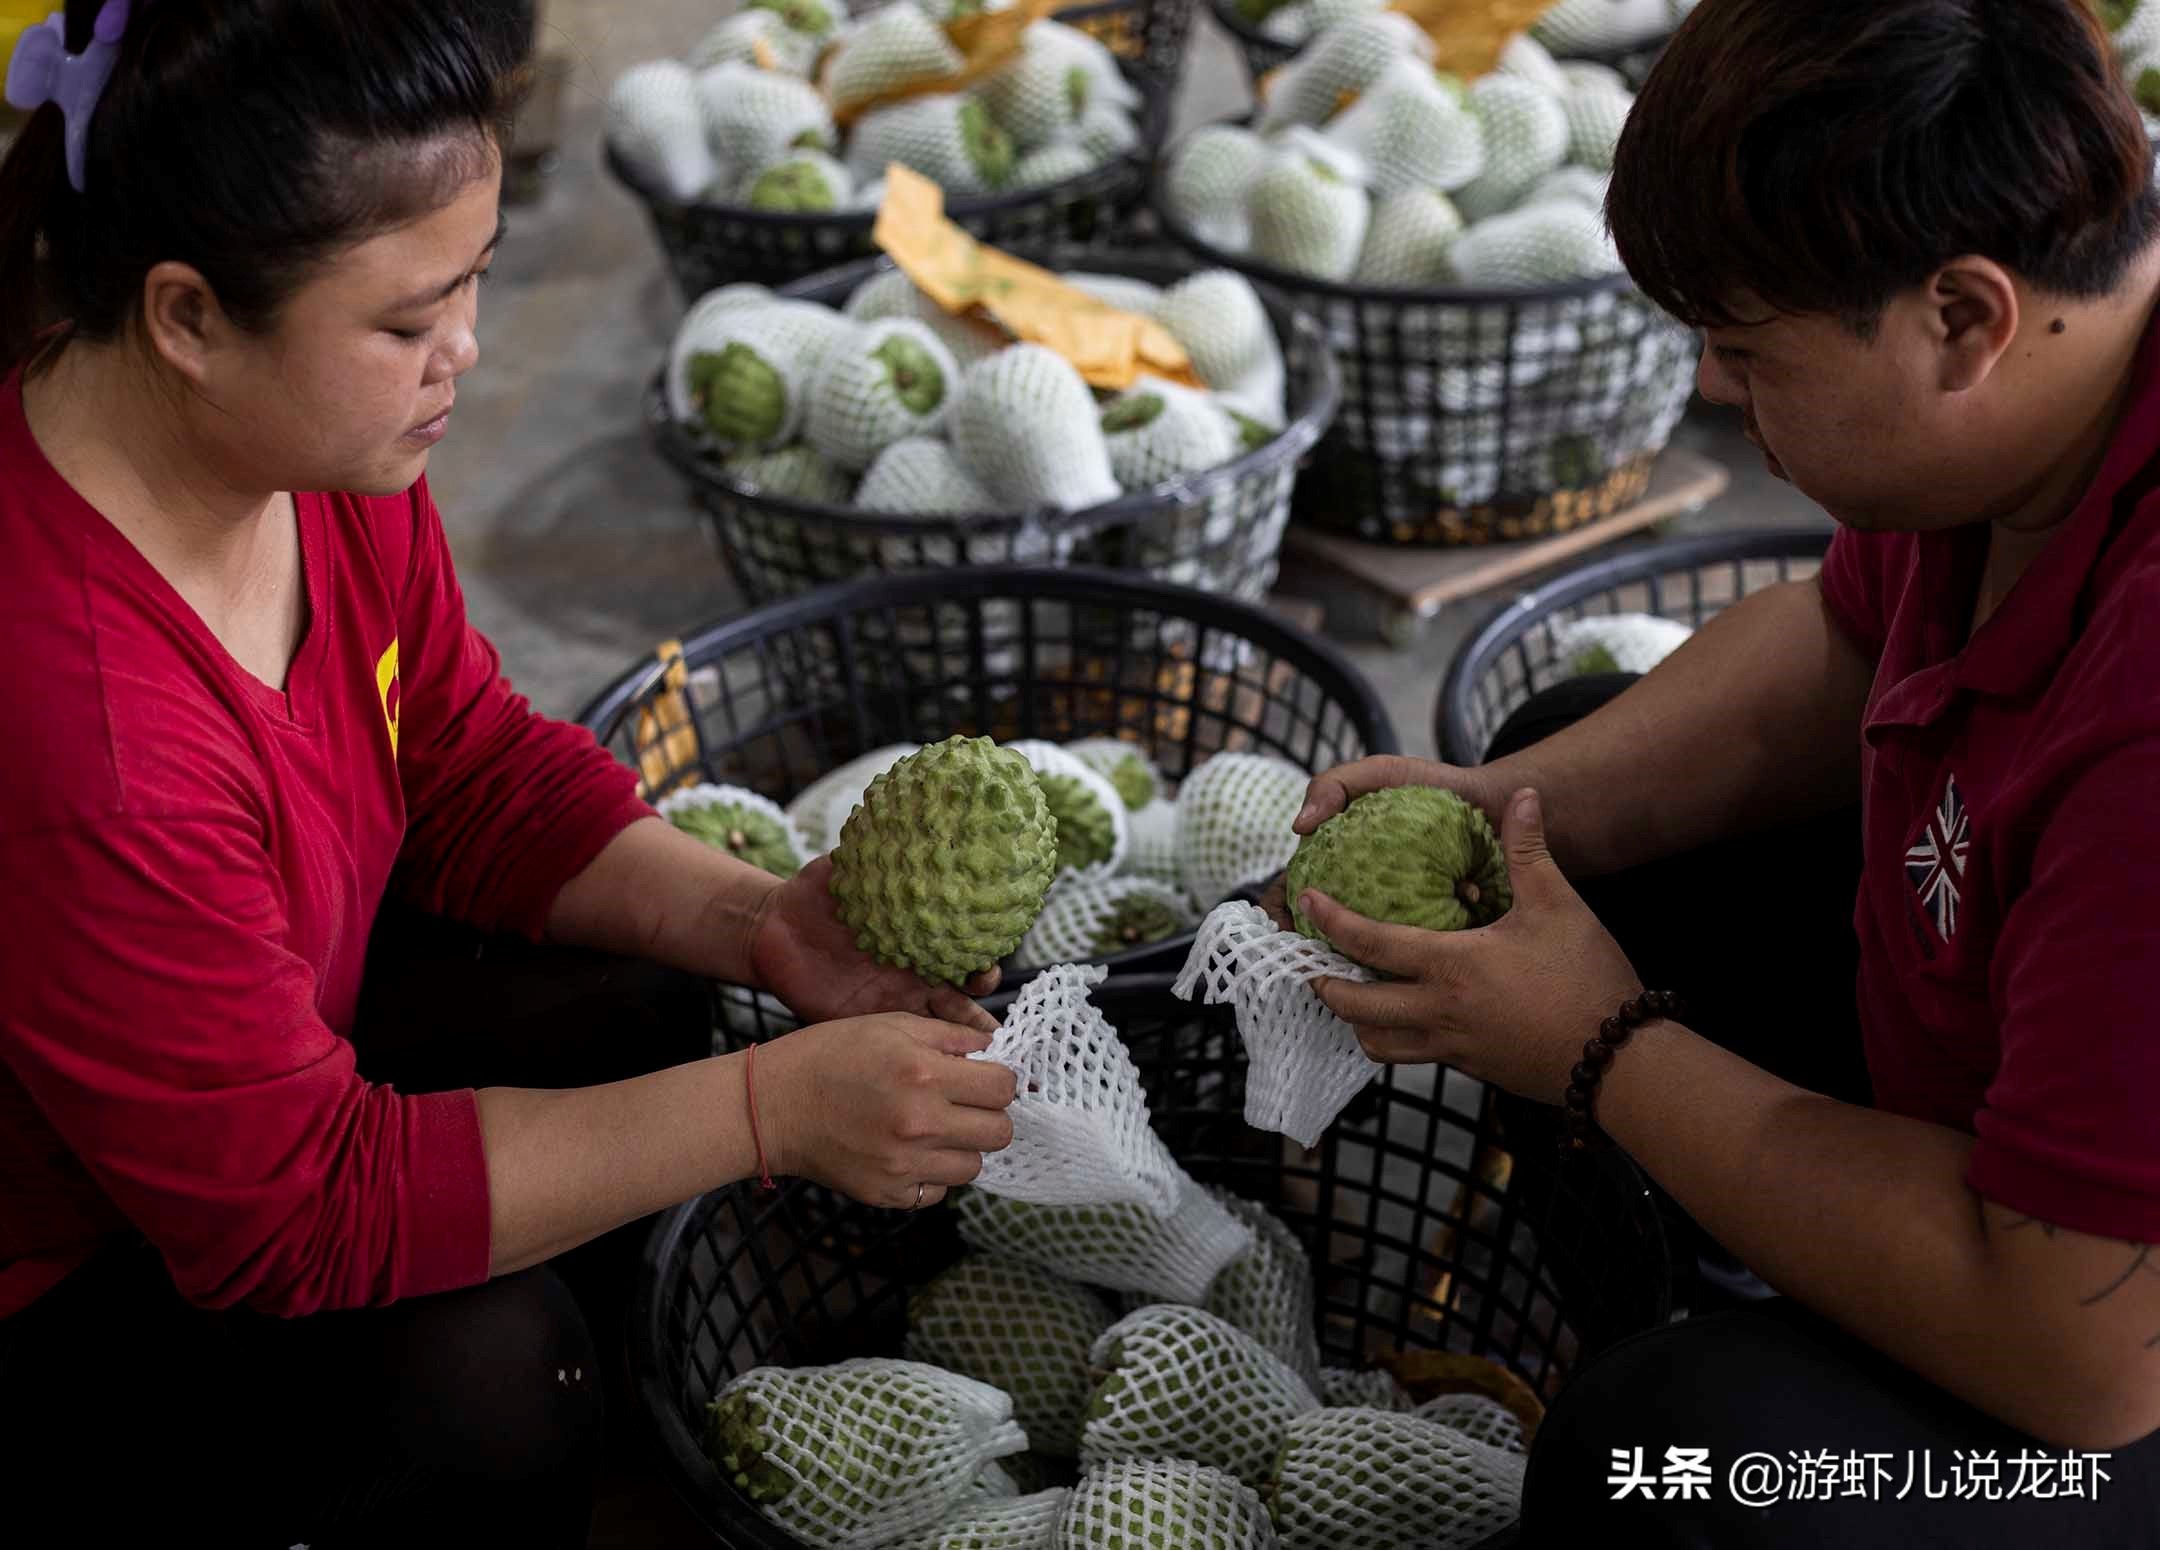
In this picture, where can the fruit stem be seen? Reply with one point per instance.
(1468, 892)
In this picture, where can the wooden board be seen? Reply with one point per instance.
(1421, 581)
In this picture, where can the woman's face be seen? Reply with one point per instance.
(354, 383)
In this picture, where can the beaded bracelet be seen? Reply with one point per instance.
(1581, 1132)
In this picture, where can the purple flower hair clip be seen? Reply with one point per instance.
(43, 71)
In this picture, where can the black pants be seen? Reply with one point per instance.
(1757, 933)
(470, 1418)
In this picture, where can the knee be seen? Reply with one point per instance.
(503, 1380)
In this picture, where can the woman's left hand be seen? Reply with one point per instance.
(1512, 1003)
(805, 956)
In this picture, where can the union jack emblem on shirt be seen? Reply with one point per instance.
(1936, 864)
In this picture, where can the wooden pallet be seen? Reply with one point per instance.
(1408, 586)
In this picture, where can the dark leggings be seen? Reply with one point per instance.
(470, 1418)
(1757, 933)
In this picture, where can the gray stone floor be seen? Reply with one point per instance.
(578, 550)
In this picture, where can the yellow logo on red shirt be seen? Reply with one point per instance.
(386, 686)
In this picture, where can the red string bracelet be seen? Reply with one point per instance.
(765, 1178)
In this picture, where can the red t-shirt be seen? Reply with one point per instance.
(191, 863)
(2009, 913)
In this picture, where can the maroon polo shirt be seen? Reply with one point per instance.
(2009, 912)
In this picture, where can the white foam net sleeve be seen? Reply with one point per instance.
(1234, 816)
(808, 810)
(1638, 642)
(1304, 1062)
(1022, 1523)
(1185, 1384)
(1019, 1328)
(849, 1455)
(1163, 1504)
(1049, 759)
(1080, 1120)
(705, 794)
(1121, 1248)
(1369, 1477)
(1080, 915)
(995, 1483)
(1153, 853)
(1105, 755)
(1479, 1417)
(1362, 1388)
(1267, 1291)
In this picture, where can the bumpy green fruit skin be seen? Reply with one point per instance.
(1085, 833)
(943, 866)
(1595, 660)
(741, 396)
(1135, 923)
(1411, 855)
(735, 1437)
(1135, 786)
(743, 834)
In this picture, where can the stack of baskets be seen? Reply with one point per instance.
(708, 245)
(1219, 531)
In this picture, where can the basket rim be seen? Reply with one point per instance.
(1245, 32)
(1508, 621)
(1155, 115)
(1306, 422)
(1304, 285)
(1317, 656)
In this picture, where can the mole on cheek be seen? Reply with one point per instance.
(2058, 327)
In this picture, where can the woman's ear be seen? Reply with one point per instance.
(1975, 315)
(182, 319)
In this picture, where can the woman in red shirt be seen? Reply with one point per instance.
(237, 291)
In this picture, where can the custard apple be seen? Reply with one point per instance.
(891, 294)
(793, 472)
(742, 374)
(802, 181)
(949, 138)
(747, 826)
(1099, 917)
(1162, 1504)
(1344, 59)
(1362, 1388)
(736, 40)
(1267, 1291)
(656, 126)
(1153, 852)
(1209, 180)
(1595, 119)
(1412, 132)
(1539, 245)
(1477, 1417)
(1525, 58)
(891, 380)
(754, 117)
(1409, 243)
(1050, 164)
(1617, 643)
(1234, 816)
(1526, 136)
(1411, 855)
(944, 864)
(1025, 425)
(1017, 1328)
(895, 45)
(1309, 208)
(1158, 431)
(1125, 765)
(1369, 1477)
(1018, 1523)
(919, 476)
(1122, 1247)
(1091, 827)
(1042, 93)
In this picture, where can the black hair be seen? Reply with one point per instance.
(1824, 156)
(250, 139)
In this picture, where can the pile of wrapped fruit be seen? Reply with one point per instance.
(790, 106)
(1369, 166)
(1122, 1357)
(1570, 27)
(2135, 27)
(892, 404)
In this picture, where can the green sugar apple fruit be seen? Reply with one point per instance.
(754, 117)
(949, 138)
(1163, 1504)
(1526, 136)
(860, 1451)
(1410, 855)
(747, 826)
(1370, 1477)
(892, 380)
(736, 40)
(891, 294)
(893, 46)
(1208, 180)
(802, 181)
(1541, 244)
(656, 128)
(1362, 1388)
(1122, 1247)
(1025, 425)
(1048, 164)
(1182, 1383)
(1267, 1291)
(944, 864)
(1125, 765)
(1412, 132)
(792, 472)
(1017, 1328)
(920, 476)
(1411, 242)
(1345, 59)
(1019, 1523)
(740, 373)
(1309, 208)
(1159, 431)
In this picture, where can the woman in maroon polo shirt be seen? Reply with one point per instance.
(271, 1208)
(1920, 237)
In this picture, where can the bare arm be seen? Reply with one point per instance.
(872, 1107)
(1755, 718)
(2054, 1331)
(658, 893)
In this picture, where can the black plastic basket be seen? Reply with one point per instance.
(1220, 530)
(1263, 53)
(776, 698)
(1516, 653)
(1472, 417)
(707, 245)
(1417, 1241)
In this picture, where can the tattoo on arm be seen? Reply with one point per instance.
(2144, 1261)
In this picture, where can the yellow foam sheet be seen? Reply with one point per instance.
(1467, 35)
(1108, 347)
(985, 41)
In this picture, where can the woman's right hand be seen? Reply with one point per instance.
(874, 1106)
(1334, 790)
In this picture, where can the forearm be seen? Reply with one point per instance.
(660, 894)
(1863, 1216)
(565, 1166)
(1755, 719)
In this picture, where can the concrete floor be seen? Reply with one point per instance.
(579, 550)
